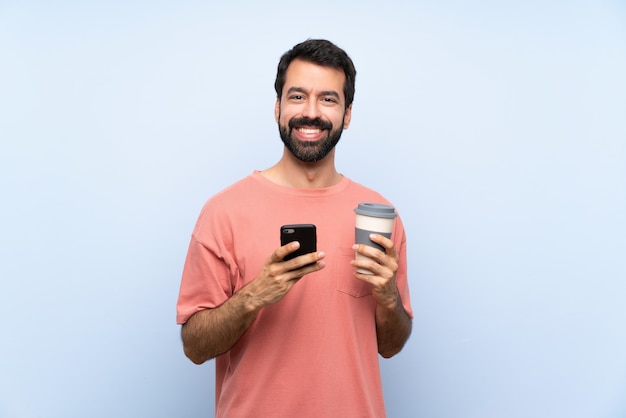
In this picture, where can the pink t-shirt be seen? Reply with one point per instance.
(314, 353)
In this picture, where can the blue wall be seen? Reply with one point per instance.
(499, 131)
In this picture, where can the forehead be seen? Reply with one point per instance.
(312, 77)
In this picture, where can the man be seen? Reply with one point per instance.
(296, 338)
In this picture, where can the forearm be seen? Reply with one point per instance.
(211, 332)
(393, 327)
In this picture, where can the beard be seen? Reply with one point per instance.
(310, 151)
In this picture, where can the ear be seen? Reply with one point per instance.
(277, 109)
(347, 117)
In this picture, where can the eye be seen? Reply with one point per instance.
(296, 97)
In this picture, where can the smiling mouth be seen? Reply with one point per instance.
(309, 126)
(309, 131)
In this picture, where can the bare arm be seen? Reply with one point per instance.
(393, 324)
(212, 332)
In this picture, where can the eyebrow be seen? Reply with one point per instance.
(322, 93)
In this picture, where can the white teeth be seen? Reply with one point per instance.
(309, 131)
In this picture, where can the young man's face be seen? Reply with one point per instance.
(311, 113)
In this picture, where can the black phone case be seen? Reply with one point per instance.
(305, 234)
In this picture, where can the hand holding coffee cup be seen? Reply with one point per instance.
(372, 218)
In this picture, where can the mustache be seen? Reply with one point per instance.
(316, 123)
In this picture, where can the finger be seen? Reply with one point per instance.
(380, 278)
(385, 242)
(377, 270)
(309, 268)
(306, 260)
(283, 251)
(376, 261)
(370, 252)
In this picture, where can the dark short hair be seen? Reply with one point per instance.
(323, 53)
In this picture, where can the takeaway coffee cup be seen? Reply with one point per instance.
(373, 218)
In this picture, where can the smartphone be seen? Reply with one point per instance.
(305, 234)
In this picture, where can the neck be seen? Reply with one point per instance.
(291, 172)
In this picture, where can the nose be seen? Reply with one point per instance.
(311, 109)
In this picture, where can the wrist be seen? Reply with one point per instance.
(388, 300)
(248, 303)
